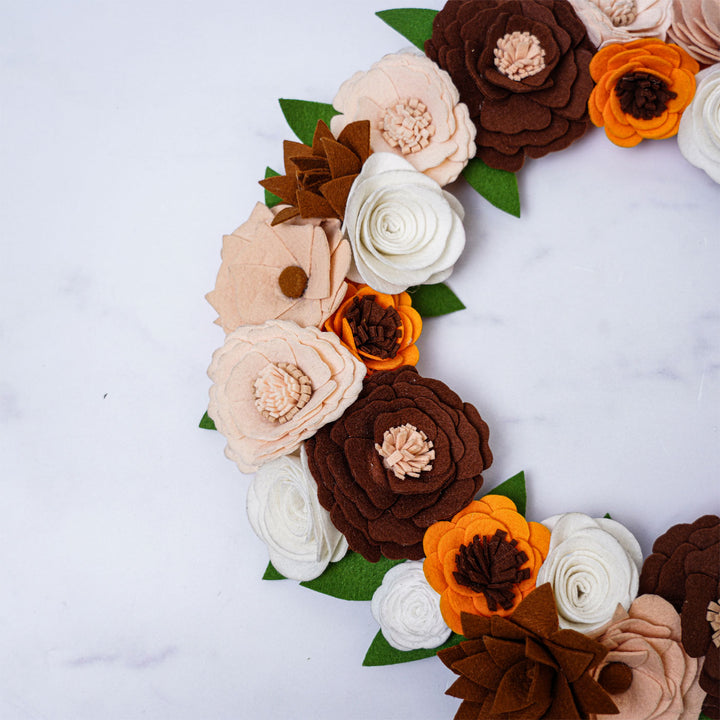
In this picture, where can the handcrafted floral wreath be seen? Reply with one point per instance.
(368, 476)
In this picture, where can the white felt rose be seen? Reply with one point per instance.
(593, 565)
(284, 512)
(404, 229)
(408, 609)
(699, 132)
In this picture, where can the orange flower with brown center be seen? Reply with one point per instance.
(485, 560)
(642, 89)
(379, 329)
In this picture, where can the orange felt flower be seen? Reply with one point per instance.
(642, 89)
(378, 329)
(485, 560)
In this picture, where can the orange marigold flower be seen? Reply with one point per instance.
(485, 560)
(642, 89)
(379, 329)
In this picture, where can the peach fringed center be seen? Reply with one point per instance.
(406, 451)
(713, 617)
(407, 125)
(281, 391)
(519, 55)
(621, 13)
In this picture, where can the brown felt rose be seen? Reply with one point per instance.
(522, 68)
(407, 453)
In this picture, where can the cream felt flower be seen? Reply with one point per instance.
(620, 21)
(274, 385)
(293, 271)
(414, 110)
(285, 513)
(408, 609)
(699, 132)
(696, 28)
(593, 565)
(404, 229)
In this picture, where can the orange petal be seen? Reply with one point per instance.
(434, 573)
(432, 536)
(451, 617)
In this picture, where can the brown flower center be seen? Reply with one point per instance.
(491, 566)
(519, 55)
(642, 95)
(406, 451)
(293, 281)
(615, 678)
(376, 330)
(713, 617)
(621, 13)
(281, 391)
(407, 125)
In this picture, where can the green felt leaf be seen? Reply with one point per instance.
(415, 24)
(381, 652)
(513, 488)
(434, 300)
(206, 423)
(497, 186)
(272, 574)
(607, 515)
(271, 200)
(352, 578)
(302, 116)
(703, 716)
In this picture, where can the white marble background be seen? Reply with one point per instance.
(131, 138)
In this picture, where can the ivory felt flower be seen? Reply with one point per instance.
(408, 609)
(274, 385)
(404, 229)
(285, 514)
(485, 560)
(699, 132)
(379, 329)
(593, 565)
(294, 271)
(696, 28)
(647, 671)
(414, 110)
(642, 89)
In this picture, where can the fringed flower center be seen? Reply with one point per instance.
(281, 391)
(375, 329)
(293, 281)
(621, 13)
(406, 451)
(615, 678)
(492, 566)
(642, 95)
(713, 617)
(519, 55)
(407, 125)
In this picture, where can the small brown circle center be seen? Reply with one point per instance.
(293, 281)
(616, 677)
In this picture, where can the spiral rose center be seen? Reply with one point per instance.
(406, 451)
(713, 617)
(281, 391)
(407, 125)
(375, 329)
(492, 566)
(621, 13)
(642, 95)
(519, 55)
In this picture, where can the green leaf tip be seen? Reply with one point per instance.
(414, 24)
(302, 116)
(207, 423)
(498, 187)
(272, 574)
(271, 200)
(515, 489)
(434, 300)
(381, 652)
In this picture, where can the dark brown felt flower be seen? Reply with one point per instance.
(684, 568)
(406, 454)
(523, 69)
(317, 178)
(525, 667)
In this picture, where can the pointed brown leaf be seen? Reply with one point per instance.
(322, 132)
(573, 662)
(537, 612)
(592, 699)
(513, 692)
(467, 690)
(539, 654)
(314, 206)
(475, 626)
(504, 653)
(356, 136)
(293, 149)
(563, 705)
(480, 669)
(285, 214)
(336, 193)
(341, 160)
(309, 162)
(283, 186)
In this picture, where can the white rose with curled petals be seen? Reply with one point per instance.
(408, 609)
(593, 565)
(285, 513)
(404, 229)
(699, 132)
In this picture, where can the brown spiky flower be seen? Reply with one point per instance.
(318, 178)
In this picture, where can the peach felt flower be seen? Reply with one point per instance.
(485, 560)
(379, 329)
(642, 89)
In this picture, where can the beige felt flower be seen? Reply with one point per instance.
(293, 271)
(275, 384)
(414, 110)
(696, 29)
